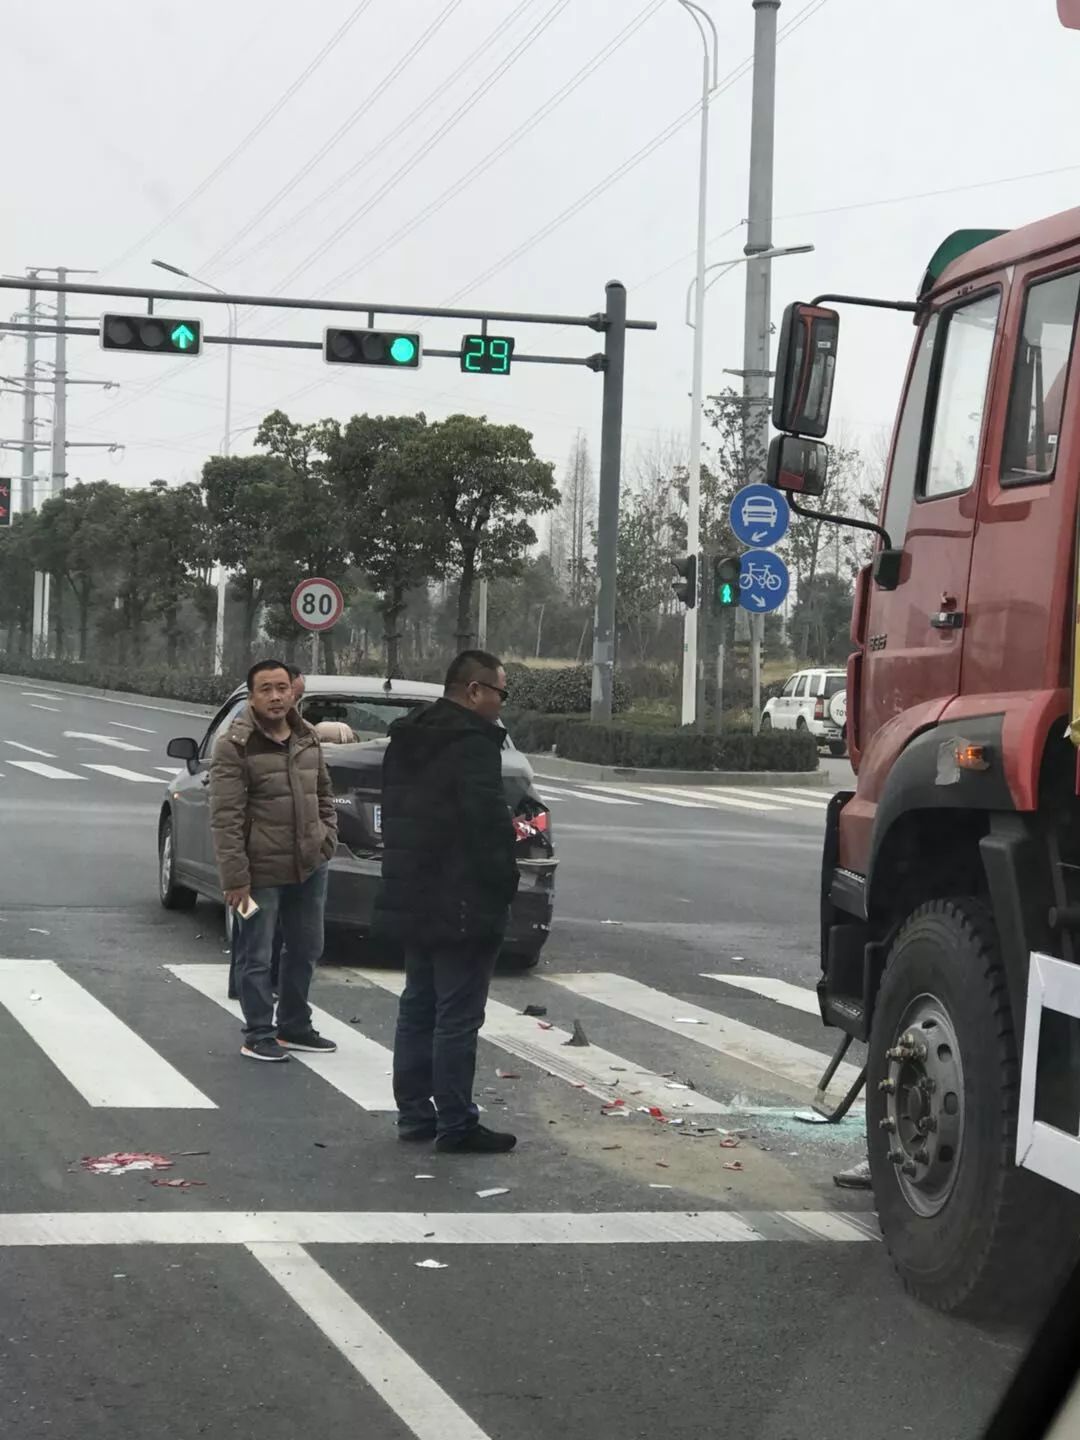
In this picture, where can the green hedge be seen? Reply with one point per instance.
(636, 747)
(566, 691)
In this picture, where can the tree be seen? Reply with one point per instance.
(74, 542)
(648, 541)
(573, 524)
(821, 618)
(162, 543)
(392, 520)
(17, 580)
(488, 483)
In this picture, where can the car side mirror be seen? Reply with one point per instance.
(805, 370)
(183, 748)
(798, 466)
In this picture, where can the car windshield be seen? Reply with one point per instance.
(369, 716)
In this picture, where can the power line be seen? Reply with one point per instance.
(303, 215)
(339, 134)
(253, 134)
(649, 148)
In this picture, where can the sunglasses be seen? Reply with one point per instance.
(504, 695)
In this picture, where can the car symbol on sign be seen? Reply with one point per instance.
(759, 510)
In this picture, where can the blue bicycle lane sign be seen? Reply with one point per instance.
(759, 516)
(764, 581)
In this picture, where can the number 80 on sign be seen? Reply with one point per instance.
(317, 604)
(486, 354)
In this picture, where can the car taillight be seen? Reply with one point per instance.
(526, 829)
(819, 710)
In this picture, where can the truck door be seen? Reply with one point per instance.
(914, 634)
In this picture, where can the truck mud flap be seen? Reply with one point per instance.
(1048, 1125)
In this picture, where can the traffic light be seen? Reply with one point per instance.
(372, 347)
(686, 588)
(163, 334)
(725, 582)
(5, 501)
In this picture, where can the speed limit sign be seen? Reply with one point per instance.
(317, 604)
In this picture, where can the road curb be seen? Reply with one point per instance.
(555, 768)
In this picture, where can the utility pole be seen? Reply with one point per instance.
(26, 495)
(607, 513)
(757, 323)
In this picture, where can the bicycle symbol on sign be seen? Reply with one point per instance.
(765, 575)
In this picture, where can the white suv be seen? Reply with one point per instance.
(814, 700)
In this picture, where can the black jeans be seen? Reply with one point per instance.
(300, 909)
(439, 1018)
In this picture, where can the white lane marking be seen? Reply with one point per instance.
(584, 795)
(796, 997)
(30, 749)
(83, 693)
(170, 769)
(805, 794)
(140, 728)
(408, 1390)
(797, 1067)
(110, 740)
(107, 1063)
(119, 773)
(360, 1069)
(40, 695)
(716, 797)
(599, 1072)
(53, 708)
(640, 795)
(397, 1227)
(47, 772)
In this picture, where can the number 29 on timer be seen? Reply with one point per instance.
(487, 354)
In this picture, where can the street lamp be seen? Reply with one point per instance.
(710, 62)
(723, 266)
(222, 579)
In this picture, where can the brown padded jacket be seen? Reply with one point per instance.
(271, 806)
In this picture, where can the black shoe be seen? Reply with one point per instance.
(268, 1050)
(477, 1141)
(309, 1040)
(416, 1132)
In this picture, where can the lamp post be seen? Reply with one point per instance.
(222, 577)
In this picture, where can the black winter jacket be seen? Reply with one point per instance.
(448, 871)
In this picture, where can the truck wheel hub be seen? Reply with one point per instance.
(924, 1101)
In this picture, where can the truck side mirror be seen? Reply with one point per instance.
(799, 466)
(805, 370)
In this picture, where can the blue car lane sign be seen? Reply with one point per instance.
(763, 581)
(759, 516)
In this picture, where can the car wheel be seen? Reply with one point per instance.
(837, 748)
(957, 1215)
(519, 959)
(766, 723)
(172, 895)
(801, 725)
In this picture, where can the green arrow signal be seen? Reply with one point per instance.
(183, 337)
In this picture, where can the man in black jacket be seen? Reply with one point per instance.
(448, 880)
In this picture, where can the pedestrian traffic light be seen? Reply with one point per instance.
(164, 334)
(686, 588)
(372, 347)
(5, 501)
(725, 582)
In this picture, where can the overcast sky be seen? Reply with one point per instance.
(896, 123)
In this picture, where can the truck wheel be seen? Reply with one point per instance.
(941, 1103)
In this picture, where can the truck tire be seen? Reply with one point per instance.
(960, 1221)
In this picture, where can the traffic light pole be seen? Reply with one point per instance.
(611, 322)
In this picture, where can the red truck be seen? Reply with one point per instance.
(950, 887)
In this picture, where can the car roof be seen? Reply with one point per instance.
(362, 687)
(819, 670)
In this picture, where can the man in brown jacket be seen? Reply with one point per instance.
(275, 829)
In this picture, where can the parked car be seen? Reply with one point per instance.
(367, 707)
(814, 700)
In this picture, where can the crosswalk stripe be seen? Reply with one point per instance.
(775, 798)
(119, 773)
(598, 1071)
(360, 1069)
(797, 997)
(170, 769)
(112, 741)
(716, 797)
(583, 795)
(30, 749)
(640, 795)
(797, 1067)
(47, 772)
(107, 1063)
(816, 797)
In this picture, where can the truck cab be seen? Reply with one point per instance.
(950, 874)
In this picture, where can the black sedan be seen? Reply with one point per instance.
(186, 867)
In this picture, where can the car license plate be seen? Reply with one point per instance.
(376, 819)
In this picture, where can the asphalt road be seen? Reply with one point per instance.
(627, 1283)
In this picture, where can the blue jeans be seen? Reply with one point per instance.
(300, 911)
(439, 1019)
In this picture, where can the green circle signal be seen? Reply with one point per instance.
(403, 350)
